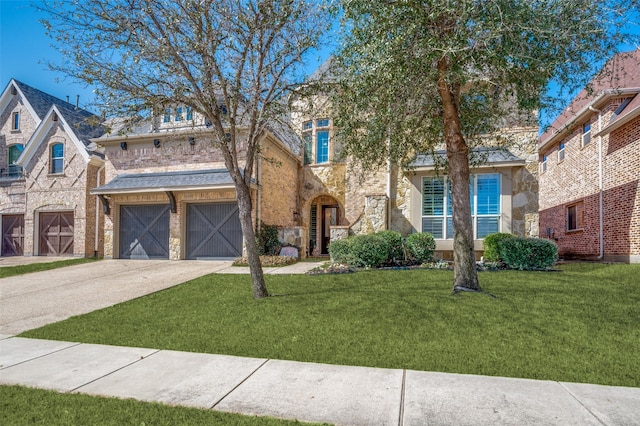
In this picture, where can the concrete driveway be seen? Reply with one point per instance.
(33, 300)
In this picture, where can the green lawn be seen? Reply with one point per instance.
(578, 325)
(24, 406)
(10, 271)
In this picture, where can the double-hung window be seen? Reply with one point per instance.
(167, 115)
(189, 113)
(322, 140)
(178, 116)
(575, 216)
(14, 152)
(586, 134)
(437, 210)
(57, 158)
(561, 152)
(544, 163)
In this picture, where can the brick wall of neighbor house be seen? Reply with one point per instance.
(279, 185)
(9, 136)
(62, 192)
(575, 180)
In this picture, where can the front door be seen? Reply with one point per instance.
(329, 219)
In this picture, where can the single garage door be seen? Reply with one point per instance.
(56, 234)
(213, 230)
(12, 234)
(144, 232)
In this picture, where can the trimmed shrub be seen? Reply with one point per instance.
(395, 254)
(490, 245)
(368, 251)
(530, 254)
(267, 239)
(339, 251)
(420, 246)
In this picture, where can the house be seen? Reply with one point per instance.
(47, 167)
(335, 201)
(158, 188)
(590, 168)
(168, 194)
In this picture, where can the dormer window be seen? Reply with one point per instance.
(57, 158)
(15, 121)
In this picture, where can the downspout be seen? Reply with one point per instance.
(95, 244)
(600, 183)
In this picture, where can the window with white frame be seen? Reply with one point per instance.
(544, 163)
(586, 134)
(167, 115)
(15, 121)
(437, 208)
(178, 116)
(189, 113)
(322, 140)
(57, 158)
(561, 152)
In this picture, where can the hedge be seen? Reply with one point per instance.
(528, 253)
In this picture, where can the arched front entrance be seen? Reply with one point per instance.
(324, 213)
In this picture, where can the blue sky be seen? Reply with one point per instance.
(24, 57)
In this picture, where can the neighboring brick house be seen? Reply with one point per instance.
(47, 167)
(590, 168)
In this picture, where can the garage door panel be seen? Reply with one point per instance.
(56, 234)
(144, 232)
(213, 230)
(12, 235)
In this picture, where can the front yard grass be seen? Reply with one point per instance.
(577, 325)
(10, 271)
(24, 406)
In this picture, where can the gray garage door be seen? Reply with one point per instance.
(213, 230)
(144, 232)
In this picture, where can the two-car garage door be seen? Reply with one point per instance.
(212, 230)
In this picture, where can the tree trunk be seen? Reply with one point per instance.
(249, 237)
(465, 275)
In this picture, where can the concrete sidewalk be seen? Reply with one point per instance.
(311, 392)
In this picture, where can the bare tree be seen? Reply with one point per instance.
(233, 61)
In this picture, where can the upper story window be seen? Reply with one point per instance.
(316, 137)
(189, 113)
(15, 121)
(14, 152)
(544, 163)
(178, 116)
(167, 115)
(561, 152)
(437, 211)
(586, 134)
(57, 158)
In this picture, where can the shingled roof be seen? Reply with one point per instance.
(620, 75)
(84, 124)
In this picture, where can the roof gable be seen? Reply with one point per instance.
(619, 76)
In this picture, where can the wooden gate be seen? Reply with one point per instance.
(144, 232)
(213, 230)
(56, 234)
(12, 235)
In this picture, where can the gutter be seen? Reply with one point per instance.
(600, 183)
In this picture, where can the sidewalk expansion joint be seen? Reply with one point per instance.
(39, 356)
(114, 371)
(238, 385)
(581, 404)
(402, 391)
